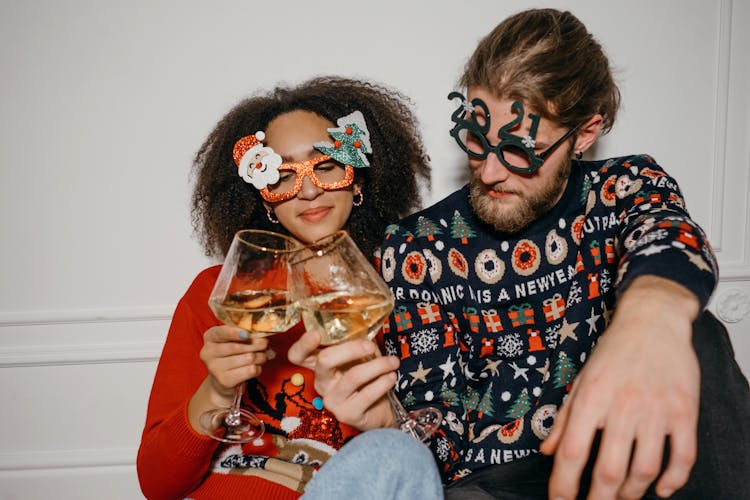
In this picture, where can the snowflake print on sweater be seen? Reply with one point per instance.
(492, 328)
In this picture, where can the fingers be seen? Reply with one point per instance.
(357, 397)
(229, 371)
(614, 474)
(370, 407)
(573, 448)
(353, 378)
(364, 384)
(373, 392)
(646, 462)
(231, 356)
(334, 361)
(612, 460)
(549, 445)
(682, 455)
(636, 397)
(228, 340)
(618, 473)
(222, 334)
(360, 381)
(304, 351)
(683, 434)
(346, 353)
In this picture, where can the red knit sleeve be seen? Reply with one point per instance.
(173, 458)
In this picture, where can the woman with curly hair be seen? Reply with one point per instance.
(307, 160)
(222, 203)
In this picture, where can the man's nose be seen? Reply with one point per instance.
(493, 170)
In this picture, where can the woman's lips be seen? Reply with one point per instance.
(314, 214)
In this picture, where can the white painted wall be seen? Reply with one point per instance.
(103, 105)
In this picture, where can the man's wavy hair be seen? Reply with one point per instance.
(224, 203)
(547, 59)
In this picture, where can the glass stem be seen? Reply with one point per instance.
(403, 419)
(398, 408)
(233, 416)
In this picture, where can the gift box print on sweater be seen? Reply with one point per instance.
(494, 328)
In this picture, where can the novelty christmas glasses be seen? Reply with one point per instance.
(322, 170)
(515, 152)
(262, 167)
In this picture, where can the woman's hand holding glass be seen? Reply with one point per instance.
(251, 296)
(354, 390)
(231, 357)
(342, 298)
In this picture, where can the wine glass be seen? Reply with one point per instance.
(341, 295)
(251, 293)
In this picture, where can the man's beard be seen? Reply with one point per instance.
(527, 208)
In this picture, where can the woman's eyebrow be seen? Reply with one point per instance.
(289, 159)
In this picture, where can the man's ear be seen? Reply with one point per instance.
(588, 134)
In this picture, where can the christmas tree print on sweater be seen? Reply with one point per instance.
(515, 316)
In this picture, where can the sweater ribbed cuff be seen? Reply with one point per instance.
(187, 440)
(701, 283)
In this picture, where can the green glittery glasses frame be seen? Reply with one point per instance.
(520, 146)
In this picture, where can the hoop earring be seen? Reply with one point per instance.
(579, 155)
(357, 202)
(271, 216)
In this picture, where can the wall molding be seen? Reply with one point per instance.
(58, 337)
(62, 316)
(728, 41)
(67, 459)
(721, 117)
(734, 272)
(80, 354)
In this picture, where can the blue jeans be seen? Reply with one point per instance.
(723, 464)
(379, 464)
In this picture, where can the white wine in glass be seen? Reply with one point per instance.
(251, 293)
(259, 312)
(342, 296)
(340, 316)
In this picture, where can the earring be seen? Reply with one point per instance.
(358, 199)
(271, 216)
(579, 155)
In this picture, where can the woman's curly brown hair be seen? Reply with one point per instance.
(224, 203)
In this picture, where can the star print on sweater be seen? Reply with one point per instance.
(507, 321)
